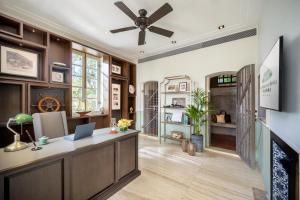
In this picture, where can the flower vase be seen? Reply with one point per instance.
(123, 129)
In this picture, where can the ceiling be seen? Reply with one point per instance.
(193, 21)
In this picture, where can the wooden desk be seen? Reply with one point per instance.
(90, 168)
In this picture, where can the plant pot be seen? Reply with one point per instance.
(191, 149)
(184, 145)
(198, 141)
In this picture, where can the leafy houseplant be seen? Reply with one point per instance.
(197, 112)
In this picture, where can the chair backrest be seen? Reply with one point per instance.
(50, 124)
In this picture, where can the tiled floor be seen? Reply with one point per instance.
(170, 174)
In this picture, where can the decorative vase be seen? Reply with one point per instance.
(184, 145)
(123, 129)
(191, 148)
(198, 141)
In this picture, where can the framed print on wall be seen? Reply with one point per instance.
(182, 86)
(116, 69)
(19, 62)
(171, 88)
(116, 96)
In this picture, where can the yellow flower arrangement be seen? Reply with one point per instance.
(123, 124)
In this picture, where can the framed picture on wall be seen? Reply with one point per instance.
(171, 88)
(182, 86)
(116, 69)
(116, 96)
(19, 62)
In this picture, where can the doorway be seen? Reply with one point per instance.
(222, 92)
(232, 125)
(150, 124)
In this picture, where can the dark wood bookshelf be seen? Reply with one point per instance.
(20, 92)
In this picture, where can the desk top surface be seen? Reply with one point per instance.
(56, 146)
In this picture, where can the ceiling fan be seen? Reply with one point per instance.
(144, 22)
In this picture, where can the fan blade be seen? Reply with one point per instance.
(161, 12)
(123, 29)
(126, 10)
(142, 36)
(161, 31)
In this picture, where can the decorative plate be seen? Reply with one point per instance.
(131, 89)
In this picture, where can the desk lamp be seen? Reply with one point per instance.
(17, 145)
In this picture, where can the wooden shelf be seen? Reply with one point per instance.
(22, 42)
(223, 125)
(60, 67)
(119, 77)
(175, 123)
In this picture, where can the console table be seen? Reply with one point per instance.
(91, 168)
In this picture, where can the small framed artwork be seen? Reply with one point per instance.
(116, 69)
(116, 96)
(168, 117)
(19, 62)
(178, 102)
(171, 88)
(182, 86)
(58, 77)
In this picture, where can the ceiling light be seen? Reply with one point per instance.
(173, 41)
(33, 30)
(221, 27)
(57, 39)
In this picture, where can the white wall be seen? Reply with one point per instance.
(281, 18)
(197, 64)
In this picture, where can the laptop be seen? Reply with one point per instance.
(81, 131)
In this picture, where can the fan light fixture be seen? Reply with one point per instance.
(142, 22)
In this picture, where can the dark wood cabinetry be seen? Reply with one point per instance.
(20, 94)
(95, 169)
(125, 79)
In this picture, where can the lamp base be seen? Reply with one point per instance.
(16, 145)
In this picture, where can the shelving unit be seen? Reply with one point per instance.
(126, 78)
(20, 93)
(165, 102)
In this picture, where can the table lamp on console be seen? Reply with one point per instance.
(19, 119)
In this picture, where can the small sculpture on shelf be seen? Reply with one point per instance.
(131, 110)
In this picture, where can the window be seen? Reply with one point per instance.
(226, 80)
(89, 80)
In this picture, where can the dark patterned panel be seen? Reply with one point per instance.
(280, 181)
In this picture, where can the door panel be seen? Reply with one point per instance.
(151, 108)
(246, 114)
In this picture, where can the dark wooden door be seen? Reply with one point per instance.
(245, 140)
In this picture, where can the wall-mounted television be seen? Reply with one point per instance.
(270, 78)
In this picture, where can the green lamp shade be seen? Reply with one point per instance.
(23, 118)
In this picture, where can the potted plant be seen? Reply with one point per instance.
(197, 112)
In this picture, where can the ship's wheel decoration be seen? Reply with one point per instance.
(48, 104)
